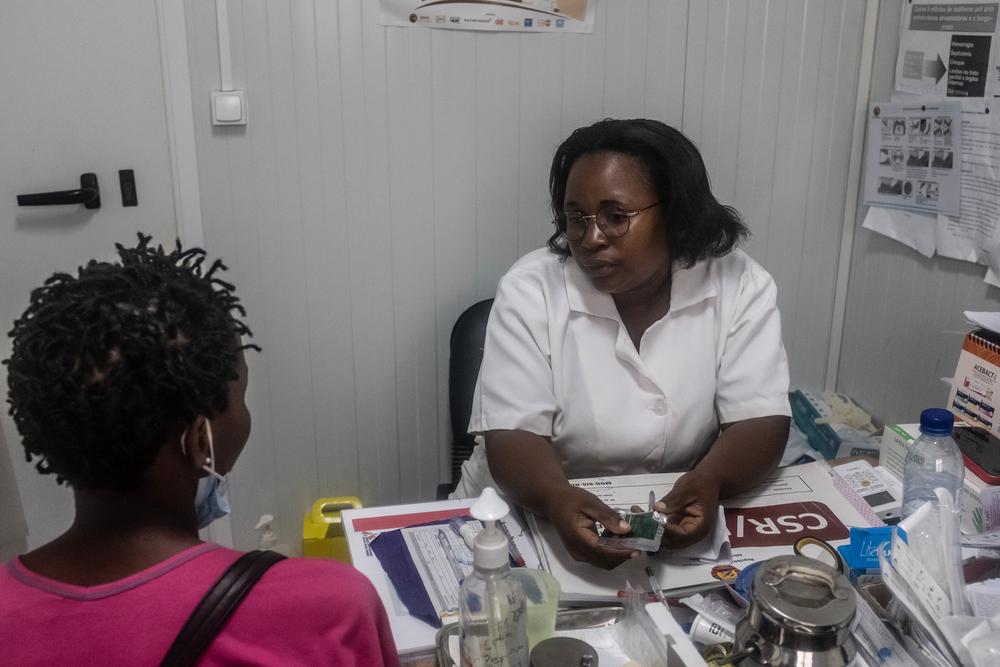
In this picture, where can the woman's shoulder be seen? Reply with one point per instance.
(307, 589)
(322, 577)
(322, 611)
(736, 270)
(539, 265)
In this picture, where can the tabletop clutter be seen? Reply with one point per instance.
(829, 562)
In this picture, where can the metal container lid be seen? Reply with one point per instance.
(802, 594)
(563, 652)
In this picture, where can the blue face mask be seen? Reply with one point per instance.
(210, 501)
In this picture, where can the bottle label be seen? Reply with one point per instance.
(499, 643)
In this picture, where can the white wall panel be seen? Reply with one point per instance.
(904, 324)
(388, 177)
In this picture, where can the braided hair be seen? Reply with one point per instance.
(108, 363)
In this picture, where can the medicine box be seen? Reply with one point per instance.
(806, 409)
(980, 500)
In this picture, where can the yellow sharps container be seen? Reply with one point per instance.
(323, 528)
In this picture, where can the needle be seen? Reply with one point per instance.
(657, 589)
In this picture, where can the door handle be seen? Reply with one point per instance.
(89, 195)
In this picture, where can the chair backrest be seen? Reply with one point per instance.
(467, 338)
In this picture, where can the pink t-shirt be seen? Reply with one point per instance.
(301, 612)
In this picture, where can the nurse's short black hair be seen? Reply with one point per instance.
(107, 364)
(698, 226)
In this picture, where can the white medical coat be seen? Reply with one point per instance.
(559, 362)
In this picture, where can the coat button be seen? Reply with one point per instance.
(659, 407)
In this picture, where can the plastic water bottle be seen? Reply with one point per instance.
(933, 460)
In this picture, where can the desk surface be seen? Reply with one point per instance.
(414, 638)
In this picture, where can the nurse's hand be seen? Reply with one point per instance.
(573, 512)
(692, 507)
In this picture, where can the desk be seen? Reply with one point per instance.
(414, 638)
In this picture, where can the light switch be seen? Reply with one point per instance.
(229, 107)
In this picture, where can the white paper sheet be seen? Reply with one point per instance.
(916, 230)
(913, 156)
(443, 561)
(495, 15)
(973, 233)
(985, 598)
(947, 48)
(361, 526)
(766, 522)
(984, 319)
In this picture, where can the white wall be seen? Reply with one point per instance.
(904, 324)
(388, 177)
(13, 529)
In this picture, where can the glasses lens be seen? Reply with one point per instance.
(574, 225)
(613, 222)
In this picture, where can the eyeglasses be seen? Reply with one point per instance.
(611, 220)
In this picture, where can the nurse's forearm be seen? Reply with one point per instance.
(745, 453)
(526, 467)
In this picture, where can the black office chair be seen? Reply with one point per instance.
(467, 338)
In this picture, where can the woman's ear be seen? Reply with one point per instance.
(196, 443)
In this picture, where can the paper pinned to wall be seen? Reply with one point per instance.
(947, 48)
(913, 156)
(972, 234)
(495, 15)
(917, 230)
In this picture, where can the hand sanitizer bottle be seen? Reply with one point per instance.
(493, 624)
(267, 540)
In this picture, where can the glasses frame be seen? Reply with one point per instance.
(587, 218)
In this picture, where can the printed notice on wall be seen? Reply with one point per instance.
(496, 15)
(972, 235)
(914, 153)
(947, 49)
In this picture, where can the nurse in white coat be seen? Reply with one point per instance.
(639, 341)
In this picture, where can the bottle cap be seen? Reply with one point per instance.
(490, 546)
(936, 421)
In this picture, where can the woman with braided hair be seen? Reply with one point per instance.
(127, 382)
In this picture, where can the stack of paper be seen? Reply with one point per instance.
(795, 502)
(984, 320)
(985, 598)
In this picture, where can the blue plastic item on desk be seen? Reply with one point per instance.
(744, 581)
(861, 553)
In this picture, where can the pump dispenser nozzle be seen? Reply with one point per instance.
(490, 546)
(267, 539)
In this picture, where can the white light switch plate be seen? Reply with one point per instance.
(229, 107)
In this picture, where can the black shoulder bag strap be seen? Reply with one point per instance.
(217, 606)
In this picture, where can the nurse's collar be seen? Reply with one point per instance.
(688, 286)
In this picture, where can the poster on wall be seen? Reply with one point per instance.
(494, 15)
(972, 235)
(914, 153)
(947, 48)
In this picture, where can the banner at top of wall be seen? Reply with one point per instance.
(493, 15)
(947, 48)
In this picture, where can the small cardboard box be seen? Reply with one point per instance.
(980, 501)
